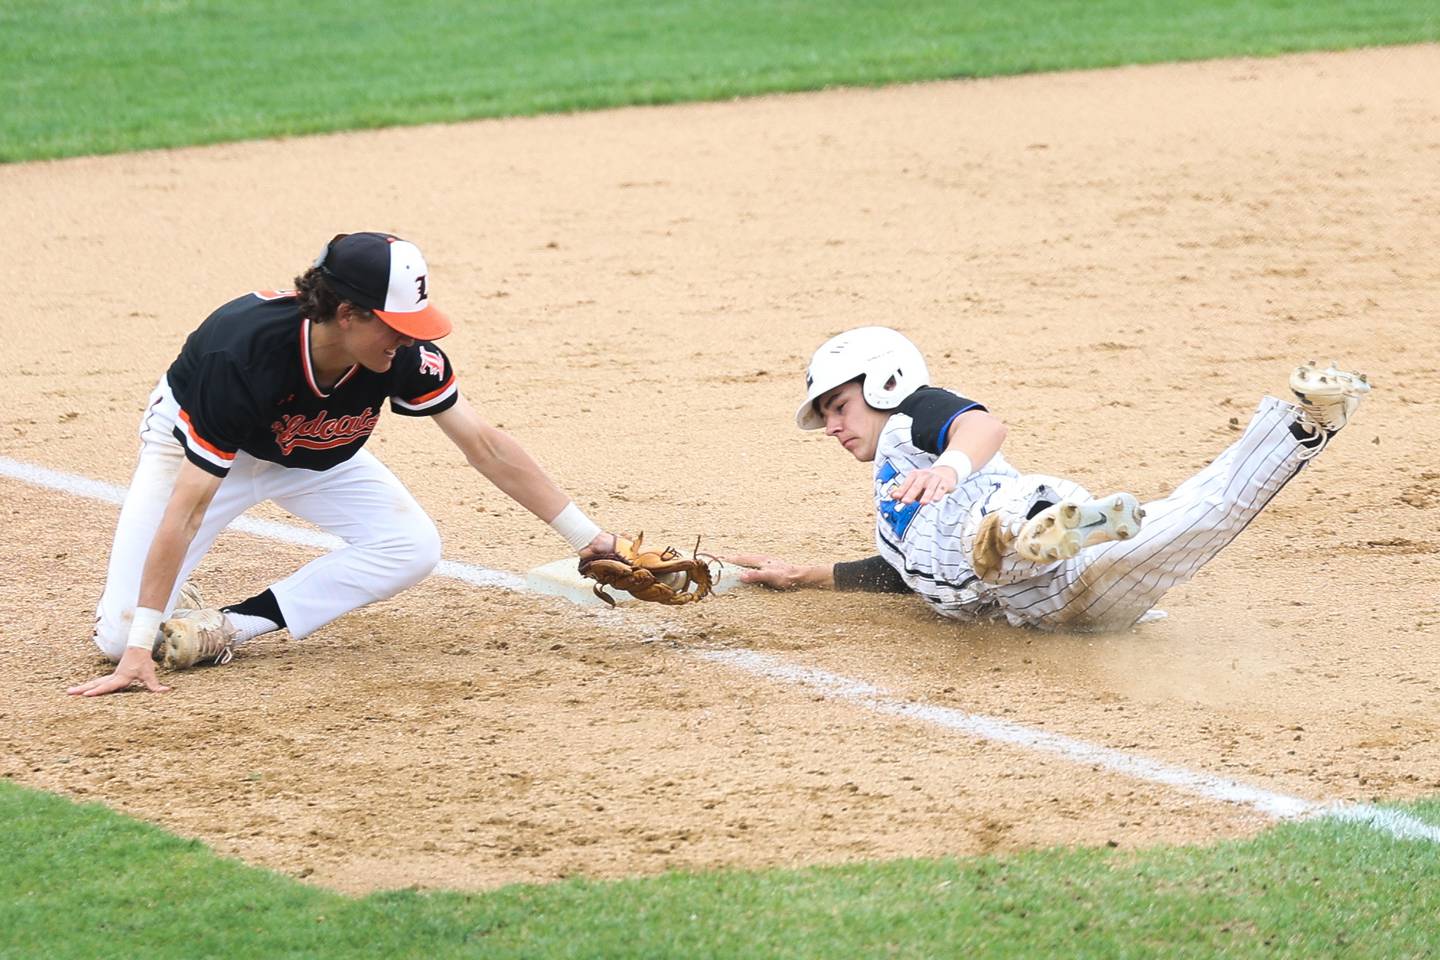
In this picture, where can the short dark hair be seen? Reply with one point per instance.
(318, 300)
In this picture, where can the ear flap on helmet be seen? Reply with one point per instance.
(894, 377)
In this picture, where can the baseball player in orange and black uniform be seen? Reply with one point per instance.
(273, 398)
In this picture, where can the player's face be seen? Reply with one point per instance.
(852, 421)
(373, 344)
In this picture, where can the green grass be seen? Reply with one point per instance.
(115, 75)
(112, 75)
(80, 881)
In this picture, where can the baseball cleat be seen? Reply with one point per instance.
(1328, 396)
(196, 636)
(1063, 530)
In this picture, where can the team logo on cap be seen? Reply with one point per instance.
(387, 275)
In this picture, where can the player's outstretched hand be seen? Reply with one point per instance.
(135, 666)
(927, 486)
(780, 574)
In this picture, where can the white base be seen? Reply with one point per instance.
(561, 578)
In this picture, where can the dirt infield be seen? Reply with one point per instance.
(1118, 262)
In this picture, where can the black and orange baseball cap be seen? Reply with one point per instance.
(385, 274)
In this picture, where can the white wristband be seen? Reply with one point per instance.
(956, 461)
(577, 529)
(144, 627)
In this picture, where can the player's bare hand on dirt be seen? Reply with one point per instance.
(135, 666)
(927, 486)
(779, 574)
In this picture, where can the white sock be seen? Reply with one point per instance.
(249, 627)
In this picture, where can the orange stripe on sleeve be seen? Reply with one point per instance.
(190, 429)
(433, 393)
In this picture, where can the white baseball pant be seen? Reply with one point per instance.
(391, 543)
(1111, 585)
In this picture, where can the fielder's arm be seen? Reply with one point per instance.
(501, 460)
(190, 498)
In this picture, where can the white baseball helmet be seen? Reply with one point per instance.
(892, 366)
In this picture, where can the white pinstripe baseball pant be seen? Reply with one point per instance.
(1111, 585)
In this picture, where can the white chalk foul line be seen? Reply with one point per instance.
(1279, 806)
(833, 686)
(269, 529)
(1275, 805)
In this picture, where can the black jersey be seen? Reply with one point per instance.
(244, 381)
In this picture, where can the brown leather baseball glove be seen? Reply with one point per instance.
(656, 576)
